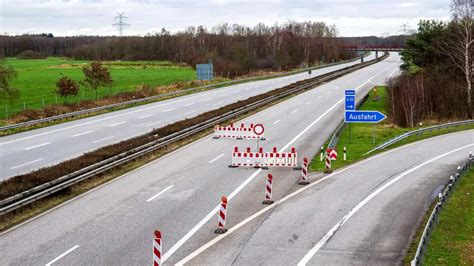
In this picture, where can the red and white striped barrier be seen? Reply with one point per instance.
(222, 216)
(242, 132)
(333, 154)
(265, 160)
(328, 161)
(157, 248)
(248, 158)
(304, 173)
(281, 159)
(268, 190)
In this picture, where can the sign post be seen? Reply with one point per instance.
(258, 129)
(353, 116)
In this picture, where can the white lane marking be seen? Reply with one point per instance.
(276, 122)
(225, 94)
(104, 139)
(145, 116)
(117, 124)
(319, 97)
(234, 92)
(277, 203)
(190, 112)
(361, 204)
(189, 104)
(208, 99)
(169, 110)
(152, 124)
(83, 133)
(159, 193)
(37, 146)
(294, 111)
(62, 255)
(103, 119)
(211, 214)
(217, 158)
(219, 103)
(308, 103)
(21, 165)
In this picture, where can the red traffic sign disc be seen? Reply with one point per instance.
(258, 129)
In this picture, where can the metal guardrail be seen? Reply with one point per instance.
(433, 219)
(419, 132)
(19, 200)
(161, 96)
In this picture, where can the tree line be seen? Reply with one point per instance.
(437, 76)
(233, 48)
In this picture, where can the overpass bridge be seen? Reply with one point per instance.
(372, 48)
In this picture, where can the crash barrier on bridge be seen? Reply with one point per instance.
(268, 190)
(222, 216)
(43, 190)
(157, 249)
(434, 217)
(304, 173)
(242, 132)
(264, 160)
(419, 132)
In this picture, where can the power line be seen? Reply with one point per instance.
(120, 24)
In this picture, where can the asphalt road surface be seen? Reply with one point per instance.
(363, 215)
(27, 151)
(179, 193)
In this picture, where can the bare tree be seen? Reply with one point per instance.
(459, 46)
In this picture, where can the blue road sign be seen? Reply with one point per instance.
(363, 117)
(350, 92)
(350, 103)
(350, 100)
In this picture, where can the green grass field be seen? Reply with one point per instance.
(452, 241)
(37, 79)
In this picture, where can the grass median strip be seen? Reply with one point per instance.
(361, 138)
(452, 240)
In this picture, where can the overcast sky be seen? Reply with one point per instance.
(95, 17)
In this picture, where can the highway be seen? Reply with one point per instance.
(363, 215)
(27, 151)
(179, 193)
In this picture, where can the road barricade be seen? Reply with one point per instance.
(264, 160)
(241, 132)
(248, 158)
(281, 159)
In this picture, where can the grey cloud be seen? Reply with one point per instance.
(95, 17)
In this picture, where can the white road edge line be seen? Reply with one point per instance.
(154, 123)
(235, 192)
(116, 124)
(276, 122)
(83, 133)
(361, 204)
(21, 165)
(217, 158)
(277, 203)
(159, 193)
(104, 139)
(188, 235)
(62, 255)
(37, 146)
